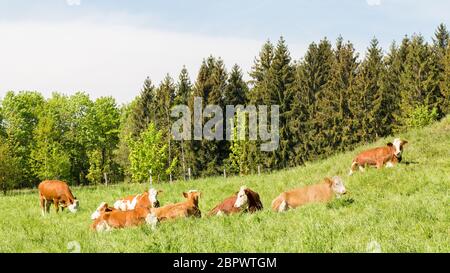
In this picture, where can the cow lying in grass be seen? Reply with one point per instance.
(388, 155)
(187, 208)
(245, 200)
(147, 199)
(322, 192)
(106, 218)
(58, 193)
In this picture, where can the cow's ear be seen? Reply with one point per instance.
(185, 195)
(329, 181)
(404, 142)
(390, 144)
(160, 191)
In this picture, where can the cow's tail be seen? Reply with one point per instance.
(279, 203)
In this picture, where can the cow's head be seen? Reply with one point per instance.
(74, 206)
(337, 185)
(102, 208)
(241, 198)
(153, 197)
(192, 195)
(398, 146)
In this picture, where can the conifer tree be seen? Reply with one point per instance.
(440, 48)
(367, 102)
(182, 96)
(419, 80)
(333, 117)
(280, 79)
(165, 96)
(236, 91)
(311, 77)
(143, 111)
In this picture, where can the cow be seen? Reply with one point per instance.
(245, 200)
(188, 208)
(147, 199)
(322, 192)
(58, 193)
(388, 155)
(113, 218)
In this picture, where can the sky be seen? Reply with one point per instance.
(108, 47)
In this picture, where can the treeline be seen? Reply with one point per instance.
(329, 101)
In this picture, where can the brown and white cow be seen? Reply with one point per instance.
(322, 192)
(388, 155)
(147, 199)
(58, 193)
(188, 208)
(245, 200)
(110, 218)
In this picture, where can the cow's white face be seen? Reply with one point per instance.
(97, 212)
(398, 147)
(338, 186)
(74, 206)
(242, 198)
(153, 197)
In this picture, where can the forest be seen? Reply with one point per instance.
(330, 100)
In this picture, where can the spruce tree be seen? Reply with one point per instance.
(440, 50)
(311, 77)
(367, 99)
(143, 111)
(333, 118)
(280, 88)
(236, 91)
(182, 96)
(165, 96)
(419, 81)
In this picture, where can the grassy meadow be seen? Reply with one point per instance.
(401, 209)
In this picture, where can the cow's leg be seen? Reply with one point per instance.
(47, 205)
(42, 202)
(361, 168)
(353, 167)
(56, 203)
(379, 164)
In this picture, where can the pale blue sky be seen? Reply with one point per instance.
(108, 47)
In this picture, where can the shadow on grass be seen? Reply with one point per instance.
(340, 203)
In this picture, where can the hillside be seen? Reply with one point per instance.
(402, 209)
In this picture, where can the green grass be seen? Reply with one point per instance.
(403, 209)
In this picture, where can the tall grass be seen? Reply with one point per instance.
(401, 209)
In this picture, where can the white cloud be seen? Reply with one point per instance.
(106, 59)
(73, 2)
(373, 2)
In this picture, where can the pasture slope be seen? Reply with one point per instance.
(402, 209)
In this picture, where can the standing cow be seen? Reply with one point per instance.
(58, 193)
(388, 155)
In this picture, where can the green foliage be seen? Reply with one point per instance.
(9, 167)
(20, 111)
(238, 161)
(103, 133)
(421, 116)
(149, 153)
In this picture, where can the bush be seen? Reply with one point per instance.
(422, 116)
